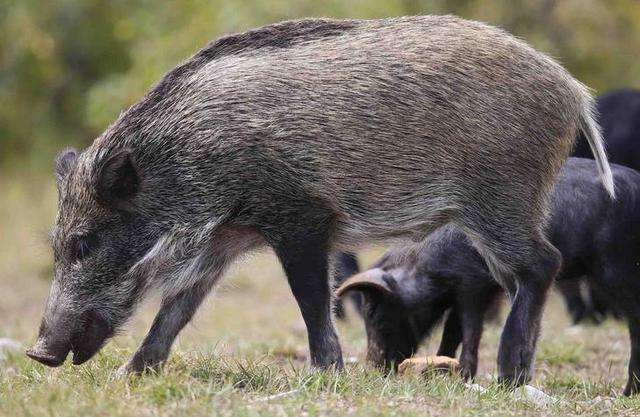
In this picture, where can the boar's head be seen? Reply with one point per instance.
(401, 304)
(98, 235)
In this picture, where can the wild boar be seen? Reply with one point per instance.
(405, 295)
(310, 137)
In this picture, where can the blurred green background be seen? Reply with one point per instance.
(69, 67)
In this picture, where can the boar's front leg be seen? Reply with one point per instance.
(180, 305)
(174, 314)
(304, 258)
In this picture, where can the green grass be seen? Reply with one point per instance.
(561, 353)
(209, 384)
(248, 344)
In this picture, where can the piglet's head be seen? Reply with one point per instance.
(391, 336)
(402, 302)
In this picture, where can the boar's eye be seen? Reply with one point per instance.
(81, 246)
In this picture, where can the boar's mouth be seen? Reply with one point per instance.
(90, 337)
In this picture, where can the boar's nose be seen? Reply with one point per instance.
(44, 357)
(47, 353)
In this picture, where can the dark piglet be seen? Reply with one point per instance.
(407, 293)
(311, 137)
(619, 117)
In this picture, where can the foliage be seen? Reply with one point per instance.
(69, 67)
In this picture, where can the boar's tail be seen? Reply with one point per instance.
(592, 133)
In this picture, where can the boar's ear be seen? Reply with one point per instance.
(65, 161)
(117, 179)
(371, 279)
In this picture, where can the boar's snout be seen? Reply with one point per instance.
(49, 351)
(84, 336)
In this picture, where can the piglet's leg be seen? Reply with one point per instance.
(472, 312)
(451, 335)
(573, 299)
(345, 265)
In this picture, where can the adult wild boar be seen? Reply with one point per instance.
(405, 295)
(313, 136)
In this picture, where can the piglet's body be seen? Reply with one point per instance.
(619, 117)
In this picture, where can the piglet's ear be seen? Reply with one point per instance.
(371, 279)
(65, 161)
(117, 178)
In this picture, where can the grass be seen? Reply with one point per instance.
(245, 353)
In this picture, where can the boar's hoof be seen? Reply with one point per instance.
(417, 366)
(466, 372)
(332, 363)
(516, 380)
(514, 365)
(146, 360)
(138, 368)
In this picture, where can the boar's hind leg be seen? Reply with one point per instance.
(305, 261)
(633, 384)
(520, 334)
(533, 262)
(174, 314)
